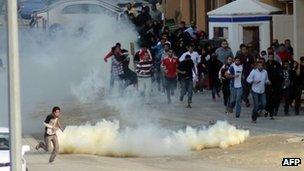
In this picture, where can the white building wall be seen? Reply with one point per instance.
(211, 33)
(283, 27)
(298, 28)
(265, 35)
(236, 33)
(234, 37)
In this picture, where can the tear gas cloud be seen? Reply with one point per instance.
(106, 138)
(59, 68)
(67, 67)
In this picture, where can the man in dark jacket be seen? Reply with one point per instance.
(225, 80)
(186, 69)
(289, 78)
(214, 66)
(273, 91)
(248, 63)
(143, 17)
(299, 85)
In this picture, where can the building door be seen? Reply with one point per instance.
(251, 34)
(192, 10)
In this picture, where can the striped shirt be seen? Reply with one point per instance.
(144, 68)
(117, 68)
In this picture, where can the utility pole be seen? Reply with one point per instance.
(47, 16)
(13, 86)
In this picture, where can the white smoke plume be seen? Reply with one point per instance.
(55, 69)
(106, 138)
(65, 67)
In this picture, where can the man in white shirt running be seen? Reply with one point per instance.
(258, 78)
(235, 73)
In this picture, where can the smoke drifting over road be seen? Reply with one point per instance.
(61, 68)
(106, 138)
(58, 68)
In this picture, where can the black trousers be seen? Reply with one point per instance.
(226, 93)
(273, 96)
(287, 96)
(215, 85)
(298, 94)
(171, 84)
(129, 77)
(246, 91)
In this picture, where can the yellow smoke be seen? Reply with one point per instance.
(106, 138)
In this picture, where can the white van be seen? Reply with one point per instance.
(63, 13)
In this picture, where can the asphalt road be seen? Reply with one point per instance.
(176, 116)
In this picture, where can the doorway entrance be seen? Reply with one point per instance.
(251, 34)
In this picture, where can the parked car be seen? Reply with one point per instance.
(5, 151)
(64, 13)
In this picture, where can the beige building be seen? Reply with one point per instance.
(192, 10)
(293, 14)
(196, 10)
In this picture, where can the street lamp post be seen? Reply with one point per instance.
(13, 86)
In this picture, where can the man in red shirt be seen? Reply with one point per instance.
(170, 64)
(112, 53)
(284, 54)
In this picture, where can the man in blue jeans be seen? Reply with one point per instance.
(186, 70)
(258, 78)
(235, 72)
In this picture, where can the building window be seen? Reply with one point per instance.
(220, 32)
